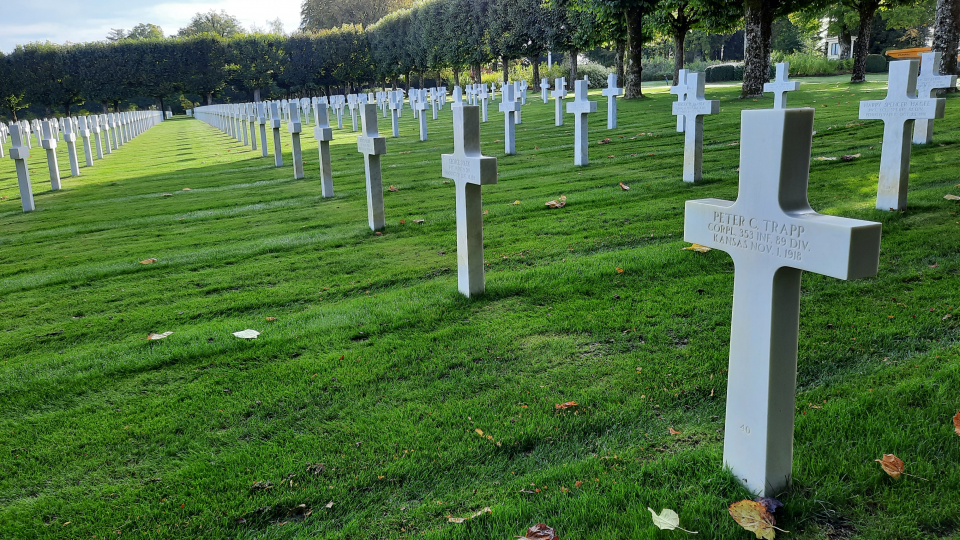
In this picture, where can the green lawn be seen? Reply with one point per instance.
(376, 367)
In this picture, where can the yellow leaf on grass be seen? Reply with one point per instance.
(155, 337)
(624, 187)
(558, 203)
(148, 261)
(516, 202)
(956, 423)
(667, 520)
(754, 517)
(951, 197)
(271, 319)
(891, 465)
(393, 188)
(698, 248)
(484, 510)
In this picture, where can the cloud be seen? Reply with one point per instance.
(73, 21)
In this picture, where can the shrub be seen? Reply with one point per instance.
(596, 73)
(722, 72)
(809, 64)
(876, 63)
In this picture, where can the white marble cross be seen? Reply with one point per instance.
(94, 127)
(352, 103)
(558, 94)
(484, 98)
(522, 92)
(261, 111)
(781, 85)
(250, 112)
(105, 127)
(70, 137)
(396, 102)
(49, 143)
(581, 106)
(928, 82)
(422, 106)
(545, 90)
(898, 111)
(693, 110)
(372, 146)
(324, 134)
(275, 124)
(85, 136)
(680, 90)
(611, 91)
(19, 152)
(295, 128)
(469, 170)
(509, 107)
(520, 96)
(773, 235)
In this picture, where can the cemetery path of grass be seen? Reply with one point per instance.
(377, 402)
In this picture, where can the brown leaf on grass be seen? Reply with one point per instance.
(698, 248)
(393, 188)
(567, 405)
(956, 423)
(541, 531)
(262, 486)
(849, 157)
(624, 187)
(619, 270)
(271, 319)
(673, 431)
(187, 189)
(484, 510)
(891, 465)
(485, 212)
(604, 141)
(754, 517)
(155, 337)
(950, 197)
(148, 261)
(558, 203)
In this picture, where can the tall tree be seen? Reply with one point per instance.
(12, 94)
(676, 18)
(323, 14)
(145, 31)
(254, 61)
(946, 36)
(212, 22)
(866, 11)
(518, 29)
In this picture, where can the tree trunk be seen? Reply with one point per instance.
(867, 11)
(633, 64)
(621, 45)
(209, 98)
(66, 107)
(478, 74)
(14, 113)
(106, 108)
(506, 71)
(161, 108)
(456, 76)
(756, 69)
(946, 36)
(678, 54)
(573, 64)
(536, 72)
(116, 106)
(256, 95)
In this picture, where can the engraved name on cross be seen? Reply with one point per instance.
(773, 235)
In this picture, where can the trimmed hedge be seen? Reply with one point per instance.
(876, 63)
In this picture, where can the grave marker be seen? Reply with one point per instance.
(680, 90)
(105, 128)
(97, 138)
(421, 110)
(773, 235)
(693, 109)
(928, 82)
(395, 103)
(781, 85)
(49, 143)
(324, 134)
(70, 137)
(558, 94)
(898, 112)
(469, 170)
(581, 106)
(85, 135)
(611, 91)
(545, 90)
(262, 121)
(295, 128)
(275, 124)
(509, 107)
(372, 146)
(19, 152)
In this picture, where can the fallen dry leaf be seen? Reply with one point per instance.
(393, 188)
(263, 486)
(624, 187)
(271, 319)
(516, 202)
(541, 531)
(956, 423)
(187, 189)
(328, 505)
(154, 337)
(754, 517)
(822, 158)
(698, 248)
(619, 270)
(484, 510)
(667, 520)
(891, 465)
(148, 261)
(167, 195)
(418, 221)
(850, 157)
(951, 197)
(604, 141)
(673, 431)
(567, 405)
(558, 203)
(247, 334)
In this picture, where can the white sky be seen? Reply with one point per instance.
(78, 21)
